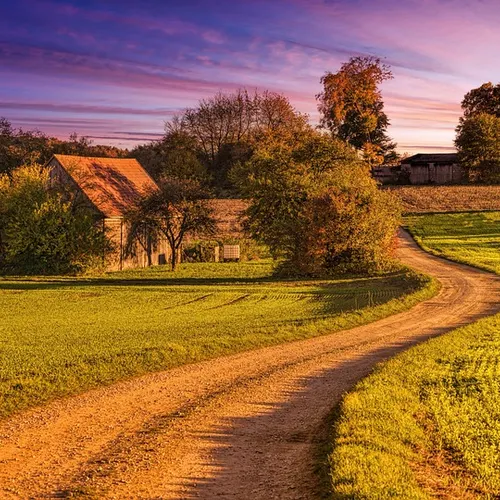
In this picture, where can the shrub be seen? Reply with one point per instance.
(43, 233)
(315, 204)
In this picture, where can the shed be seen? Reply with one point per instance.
(434, 168)
(110, 186)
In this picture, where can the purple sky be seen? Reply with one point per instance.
(116, 72)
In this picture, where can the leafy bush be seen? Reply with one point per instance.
(43, 233)
(315, 204)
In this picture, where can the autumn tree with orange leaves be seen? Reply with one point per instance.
(352, 108)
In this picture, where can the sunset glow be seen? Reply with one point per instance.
(116, 72)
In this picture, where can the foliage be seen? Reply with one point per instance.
(484, 99)
(40, 232)
(478, 145)
(478, 134)
(351, 108)
(200, 251)
(151, 319)
(224, 128)
(177, 209)
(175, 155)
(20, 147)
(470, 238)
(315, 204)
(438, 402)
(422, 199)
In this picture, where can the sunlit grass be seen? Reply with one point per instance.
(439, 399)
(59, 336)
(470, 238)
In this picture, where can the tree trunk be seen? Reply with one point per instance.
(174, 258)
(149, 250)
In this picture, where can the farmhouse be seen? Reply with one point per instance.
(110, 186)
(435, 168)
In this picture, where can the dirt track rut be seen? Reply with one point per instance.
(239, 427)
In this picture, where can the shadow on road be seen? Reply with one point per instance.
(262, 456)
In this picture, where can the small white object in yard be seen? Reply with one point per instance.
(231, 252)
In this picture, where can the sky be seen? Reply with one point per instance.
(116, 70)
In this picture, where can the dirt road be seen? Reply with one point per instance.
(242, 427)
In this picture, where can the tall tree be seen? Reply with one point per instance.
(478, 134)
(352, 108)
(478, 146)
(177, 154)
(226, 126)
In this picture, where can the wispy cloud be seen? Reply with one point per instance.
(117, 66)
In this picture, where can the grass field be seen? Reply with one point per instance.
(470, 238)
(61, 336)
(426, 424)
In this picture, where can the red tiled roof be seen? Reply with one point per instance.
(111, 184)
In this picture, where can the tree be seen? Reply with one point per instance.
(19, 147)
(176, 155)
(484, 99)
(41, 231)
(314, 203)
(177, 209)
(478, 134)
(226, 126)
(478, 146)
(352, 108)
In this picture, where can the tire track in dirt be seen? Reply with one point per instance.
(242, 426)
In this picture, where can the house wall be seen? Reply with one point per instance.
(117, 231)
(434, 174)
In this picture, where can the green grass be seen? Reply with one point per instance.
(431, 413)
(60, 336)
(428, 421)
(471, 238)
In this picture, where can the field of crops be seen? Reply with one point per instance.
(470, 238)
(61, 336)
(422, 199)
(426, 424)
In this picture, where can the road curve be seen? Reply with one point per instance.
(242, 426)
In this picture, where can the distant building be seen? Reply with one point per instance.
(386, 175)
(435, 168)
(110, 186)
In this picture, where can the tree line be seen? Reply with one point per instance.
(312, 199)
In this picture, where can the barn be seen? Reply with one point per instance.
(110, 186)
(435, 168)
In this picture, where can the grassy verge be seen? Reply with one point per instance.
(62, 336)
(425, 422)
(471, 238)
